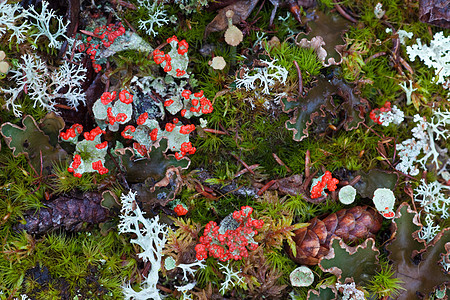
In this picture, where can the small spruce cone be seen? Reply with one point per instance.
(313, 242)
(70, 213)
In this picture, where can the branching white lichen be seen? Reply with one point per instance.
(188, 268)
(11, 16)
(431, 197)
(429, 229)
(408, 91)
(151, 237)
(41, 20)
(42, 86)
(156, 16)
(267, 76)
(436, 56)
(350, 292)
(425, 135)
(231, 278)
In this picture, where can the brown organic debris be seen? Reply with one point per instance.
(313, 242)
(69, 213)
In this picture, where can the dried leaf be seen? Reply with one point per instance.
(435, 12)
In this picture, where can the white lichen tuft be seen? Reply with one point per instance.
(231, 278)
(11, 20)
(156, 16)
(350, 292)
(41, 20)
(267, 76)
(436, 56)
(431, 197)
(150, 235)
(42, 86)
(425, 135)
(188, 268)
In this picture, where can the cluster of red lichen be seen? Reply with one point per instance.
(180, 210)
(106, 98)
(105, 35)
(90, 136)
(159, 56)
(375, 113)
(233, 243)
(327, 181)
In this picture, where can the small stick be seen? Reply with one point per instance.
(243, 171)
(243, 163)
(129, 25)
(307, 163)
(300, 80)
(281, 163)
(89, 33)
(344, 13)
(376, 55)
(406, 65)
(164, 289)
(355, 180)
(223, 128)
(265, 187)
(210, 130)
(64, 106)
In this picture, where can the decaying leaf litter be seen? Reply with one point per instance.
(224, 150)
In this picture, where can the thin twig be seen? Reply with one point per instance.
(215, 131)
(307, 163)
(243, 163)
(344, 13)
(243, 171)
(300, 80)
(376, 55)
(265, 187)
(281, 163)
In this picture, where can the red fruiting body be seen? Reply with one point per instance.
(186, 129)
(101, 145)
(154, 134)
(180, 210)
(326, 182)
(125, 97)
(130, 128)
(171, 39)
(97, 165)
(107, 97)
(107, 36)
(183, 47)
(170, 127)
(234, 243)
(141, 149)
(142, 118)
(180, 72)
(186, 94)
(168, 102)
(375, 113)
(70, 133)
(158, 56)
(90, 136)
(121, 117)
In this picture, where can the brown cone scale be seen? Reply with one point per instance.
(313, 242)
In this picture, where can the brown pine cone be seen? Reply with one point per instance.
(313, 242)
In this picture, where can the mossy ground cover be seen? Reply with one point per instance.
(245, 127)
